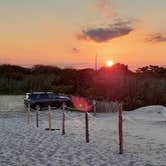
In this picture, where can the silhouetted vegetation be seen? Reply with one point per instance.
(146, 86)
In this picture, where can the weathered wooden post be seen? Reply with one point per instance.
(37, 117)
(94, 107)
(28, 113)
(63, 119)
(86, 127)
(49, 120)
(49, 117)
(120, 129)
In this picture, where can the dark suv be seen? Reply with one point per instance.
(39, 100)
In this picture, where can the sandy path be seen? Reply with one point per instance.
(25, 145)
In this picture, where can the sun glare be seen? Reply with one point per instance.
(109, 63)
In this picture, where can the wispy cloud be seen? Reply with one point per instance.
(73, 65)
(156, 37)
(109, 32)
(104, 8)
(75, 50)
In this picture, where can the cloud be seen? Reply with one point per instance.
(104, 34)
(103, 8)
(73, 65)
(75, 50)
(157, 37)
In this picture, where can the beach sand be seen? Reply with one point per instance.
(23, 144)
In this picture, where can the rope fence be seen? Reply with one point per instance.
(89, 122)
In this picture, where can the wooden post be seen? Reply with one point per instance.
(63, 119)
(86, 127)
(120, 130)
(37, 118)
(94, 107)
(28, 113)
(49, 117)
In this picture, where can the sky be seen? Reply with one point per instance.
(71, 33)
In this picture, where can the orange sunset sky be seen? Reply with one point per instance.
(70, 33)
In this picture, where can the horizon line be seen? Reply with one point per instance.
(68, 66)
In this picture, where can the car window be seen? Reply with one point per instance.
(52, 96)
(34, 96)
(43, 96)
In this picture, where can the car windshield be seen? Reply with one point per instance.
(52, 96)
(34, 96)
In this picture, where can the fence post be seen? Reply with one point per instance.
(49, 117)
(86, 127)
(28, 113)
(94, 107)
(37, 117)
(63, 119)
(120, 129)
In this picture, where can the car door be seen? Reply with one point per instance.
(56, 102)
(51, 100)
(44, 99)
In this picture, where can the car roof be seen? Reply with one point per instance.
(42, 93)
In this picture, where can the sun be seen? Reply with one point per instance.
(109, 63)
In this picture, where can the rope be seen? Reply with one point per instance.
(76, 108)
(75, 118)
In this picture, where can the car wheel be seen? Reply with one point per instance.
(38, 107)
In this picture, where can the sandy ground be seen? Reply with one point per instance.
(22, 144)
